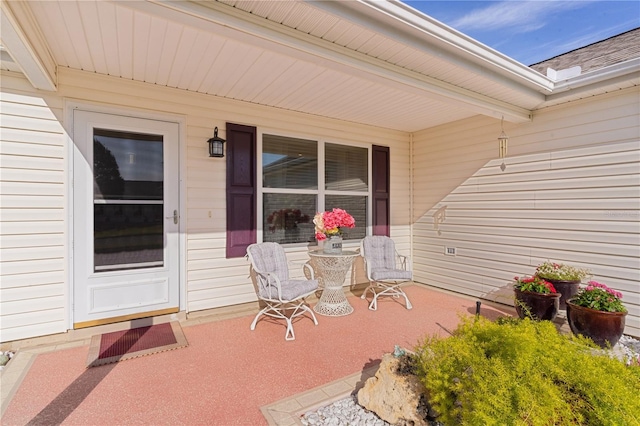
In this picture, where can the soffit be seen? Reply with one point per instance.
(174, 44)
(363, 26)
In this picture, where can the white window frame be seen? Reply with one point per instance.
(321, 192)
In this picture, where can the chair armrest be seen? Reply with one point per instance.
(269, 278)
(405, 261)
(367, 267)
(305, 267)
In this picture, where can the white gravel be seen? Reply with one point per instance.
(629, 349)
(345, 412)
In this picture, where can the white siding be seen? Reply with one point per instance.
(570, 193)
(211, 279)
(33, 291)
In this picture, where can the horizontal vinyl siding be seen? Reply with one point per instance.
(33, 257)
(570, 193)
(212, 280)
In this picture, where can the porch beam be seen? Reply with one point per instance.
(31, 52)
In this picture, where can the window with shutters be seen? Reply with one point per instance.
(301, 177)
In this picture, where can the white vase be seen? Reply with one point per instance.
(333, 245)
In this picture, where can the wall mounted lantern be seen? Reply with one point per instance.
(216, 145)
(503, 140)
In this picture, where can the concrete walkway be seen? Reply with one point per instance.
(228, 375)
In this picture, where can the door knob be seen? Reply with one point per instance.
(175, 217)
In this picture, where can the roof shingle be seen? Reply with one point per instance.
(610, 51)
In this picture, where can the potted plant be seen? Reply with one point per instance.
(536, 298)
(328, 227)
(597, 312)
(565, 278)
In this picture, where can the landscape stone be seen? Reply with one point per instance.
(396, 398)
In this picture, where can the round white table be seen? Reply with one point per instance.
(331, 269)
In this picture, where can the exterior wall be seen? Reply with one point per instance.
(570, 193)
(211, 279)
(33, 246)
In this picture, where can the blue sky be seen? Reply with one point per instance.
(531, 31)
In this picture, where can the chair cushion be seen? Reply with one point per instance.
(270, 257)
(391, 274)
(380, 251)
(291, 289)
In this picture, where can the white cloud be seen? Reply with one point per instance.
(521, 15)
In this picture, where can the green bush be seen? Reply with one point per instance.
(522, 372)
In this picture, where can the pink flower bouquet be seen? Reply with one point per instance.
(329, 223)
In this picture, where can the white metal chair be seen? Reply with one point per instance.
(386, 269)
(280, 293)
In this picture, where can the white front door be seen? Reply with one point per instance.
(125, 218)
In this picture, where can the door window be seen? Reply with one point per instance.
(127, 200)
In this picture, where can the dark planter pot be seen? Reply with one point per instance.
(567, 289)
(540, 306)
(604, 328)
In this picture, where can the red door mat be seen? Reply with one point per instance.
(126, 344)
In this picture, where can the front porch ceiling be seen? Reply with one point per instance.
(354, 62)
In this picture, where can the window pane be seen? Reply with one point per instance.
(288, 218)
(289, 163)
(356, 207)
(127, 166)
(127, 236)
(346, 168)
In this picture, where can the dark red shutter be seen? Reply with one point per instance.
(381, 200)
(241, 188)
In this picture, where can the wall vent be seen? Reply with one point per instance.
(450, 251)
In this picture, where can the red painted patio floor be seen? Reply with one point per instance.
(228, 372)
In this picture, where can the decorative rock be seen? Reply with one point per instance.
(394, 397)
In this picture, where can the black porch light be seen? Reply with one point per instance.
(216, 145)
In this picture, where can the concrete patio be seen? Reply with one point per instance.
(228, 374)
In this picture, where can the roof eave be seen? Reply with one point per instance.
(396, 19)
(626, 70)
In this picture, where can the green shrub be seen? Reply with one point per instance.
(523, 372)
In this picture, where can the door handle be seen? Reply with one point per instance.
(175, 217)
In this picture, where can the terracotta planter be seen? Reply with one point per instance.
(604, 328)
(540, 306)
(567, 289)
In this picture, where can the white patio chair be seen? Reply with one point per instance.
(386, 269)
(280, 294)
